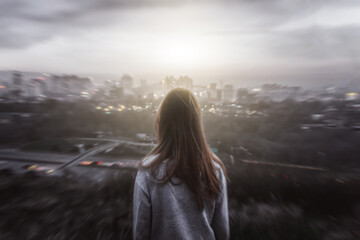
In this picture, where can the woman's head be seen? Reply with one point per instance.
(181, 138)
(178, 119)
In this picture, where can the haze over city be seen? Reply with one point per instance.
(98, 97)
(246, 43)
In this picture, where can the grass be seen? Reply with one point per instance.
(264, 203)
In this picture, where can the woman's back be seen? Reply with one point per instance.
(196, 206)
(172, 209)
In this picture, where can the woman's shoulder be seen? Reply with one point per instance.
(216, 164)
(149, 159)
(146, 171)
(219, 169)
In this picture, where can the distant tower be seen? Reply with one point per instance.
(168, 83)
(228, 93)
(126, 82)
(17, 80)
(185, 82)
(30, 89)
(39, 86)
(3, 88)
(219, 94)
(55, 84)
(212, 90)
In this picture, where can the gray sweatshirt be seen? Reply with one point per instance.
(169, 211)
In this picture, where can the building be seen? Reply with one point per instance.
(243, 96)
(200, 91)
(17, 81)
(56, 84)
(16, 89)
(116, 93)
(212, 91)
(168, 83)
(219, 94)
(66, 85)
(171, 82)
(36, 87)
(126, 82)
(4, 88)
(185, 82)
(229, 93)
(277, 92)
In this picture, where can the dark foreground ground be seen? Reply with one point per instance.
(264, 203)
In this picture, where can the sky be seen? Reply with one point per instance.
(245, 42)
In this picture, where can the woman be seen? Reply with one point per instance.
(180, 188)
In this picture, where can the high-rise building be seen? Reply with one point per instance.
(212, 91)
(17, 78)
(185, 82)
(170, 82)
(36, 87)
(277, 92)
(219, 94)
(55, 84)
(17, 81)
(126, 82)
(30, 90)
(69, 84)
(40, 86)
(228, 93)
(3, 88)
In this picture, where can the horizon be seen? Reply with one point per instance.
(101, 78)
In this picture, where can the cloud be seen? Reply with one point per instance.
(24, 22)
(317, 43)
(104, 34)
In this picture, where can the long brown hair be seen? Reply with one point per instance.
(181, 138)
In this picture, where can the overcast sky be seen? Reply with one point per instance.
(245, 42)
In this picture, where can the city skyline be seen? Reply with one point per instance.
(101, 80)
(246, 43)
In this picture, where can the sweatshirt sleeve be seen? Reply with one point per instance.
(220, 223)
(141, 208)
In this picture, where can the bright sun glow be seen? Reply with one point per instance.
(184, 52)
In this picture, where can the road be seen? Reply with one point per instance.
(277, 164)
(58, 163)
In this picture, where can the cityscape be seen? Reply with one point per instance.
(113, 96)
(276, 98)
(70, 133)
(18, 86)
